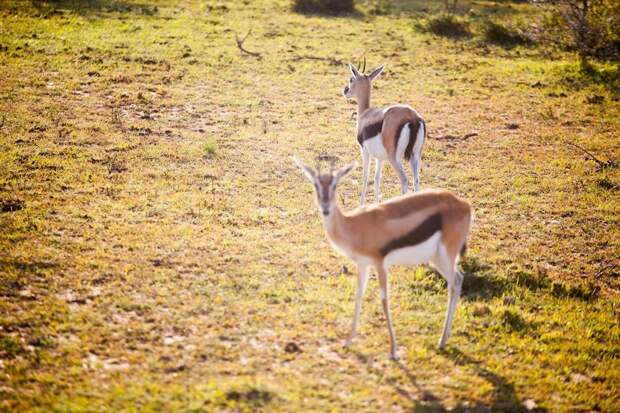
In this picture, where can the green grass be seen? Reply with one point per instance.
(159, 251)
(210, 148)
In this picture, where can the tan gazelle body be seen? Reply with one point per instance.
(429, 226)
(393, 133)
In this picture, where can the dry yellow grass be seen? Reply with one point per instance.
(159, 249)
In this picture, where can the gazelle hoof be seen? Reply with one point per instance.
(394, 355)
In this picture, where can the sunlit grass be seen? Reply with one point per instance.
(159, 250)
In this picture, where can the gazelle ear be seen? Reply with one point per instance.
(345, 170)
(376, 73)
(353, 70)
(309, 172)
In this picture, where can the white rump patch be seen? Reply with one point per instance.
(416, 254)
(403, 141)
(375, 147)
(419, 142)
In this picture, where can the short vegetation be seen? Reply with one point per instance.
(448, 25)
(160, 252)
(499, 34)
(324, 6)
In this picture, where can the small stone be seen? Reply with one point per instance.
(27, 293)
(529, 404)
(509, 300)
(481, 310)
(292, 347)
(579, 378)
(172, 340)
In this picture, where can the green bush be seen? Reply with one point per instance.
(448, 25)
(591, 28)
(324, 6)
(499, 34)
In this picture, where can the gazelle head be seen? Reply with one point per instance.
(325, 184)
(359, 83)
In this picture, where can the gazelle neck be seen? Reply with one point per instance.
(363, 103)
(334, 222)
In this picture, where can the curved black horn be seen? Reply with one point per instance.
(364, 69)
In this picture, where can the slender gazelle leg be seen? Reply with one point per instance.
(402, 176)
(378, 165)
(362, 282)
(366, 161)
(415, 167)
(384, 291)
(447, 268)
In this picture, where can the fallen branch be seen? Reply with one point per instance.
(454, 137)
(243, 49)
(331, 60)
(601, 164)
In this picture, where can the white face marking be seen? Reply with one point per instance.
(325, 186)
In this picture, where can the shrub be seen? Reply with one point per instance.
(380, 8)
(590, 27)
(501, 35)
(448, 25)
(532, 281)
(585, 292)
(324, 6)
(512, 321)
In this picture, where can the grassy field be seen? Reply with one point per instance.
(159, 251)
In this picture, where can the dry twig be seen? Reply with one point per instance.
(243, 49)
(601, 164)
(331, 60)
(454, 137)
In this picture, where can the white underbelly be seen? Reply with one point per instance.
(349, 253)
(415, 255)
(375, 147)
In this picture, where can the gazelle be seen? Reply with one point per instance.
(392, 133)
(429, 226)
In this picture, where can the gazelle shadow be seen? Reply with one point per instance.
(424, 401)
(479, 282)
(504, 396)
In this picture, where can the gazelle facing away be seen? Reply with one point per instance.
(392, 133)
(430, 226)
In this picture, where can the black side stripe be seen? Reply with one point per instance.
(416, 236)
(369, 131)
